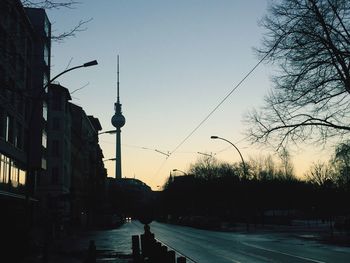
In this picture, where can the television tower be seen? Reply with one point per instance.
(118, 121)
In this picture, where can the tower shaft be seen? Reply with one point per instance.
(118, 121)
(118, 155)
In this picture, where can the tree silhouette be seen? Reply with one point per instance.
(50, 4)
(310, 43)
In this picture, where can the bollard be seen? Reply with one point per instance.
(136, 248)
(156, 252)
(45, 253)
(163, 253)
(92, 252)
(144, 247)
(171, 258)
(181, 260)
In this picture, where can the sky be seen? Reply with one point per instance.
(178, 61)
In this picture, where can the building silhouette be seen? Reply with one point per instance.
(25, 36)
(88, 174)
(51, 171)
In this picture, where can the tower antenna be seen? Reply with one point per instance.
(118, 79)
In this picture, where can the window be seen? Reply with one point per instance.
(43, 163)
(14, 174)
(20, 103)
(2, 123)
(9, 131)
(47, 27)
(66, 176)
(4, 169)
(19, 137)
(3, 38)
(56, 124)
(2, 77)
(57, 105)
(45, 110)
(21, 176)
(45, 81)
(54, 174)
(44, 139)
(46, 54)
(55, 148)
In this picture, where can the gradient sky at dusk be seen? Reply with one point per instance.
(178, 60)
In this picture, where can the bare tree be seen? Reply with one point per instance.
(205, 167)
(341, 163)
(320, 173)
(309, 40)
(286, 164)
(50, 4)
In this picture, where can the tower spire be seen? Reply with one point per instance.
(118, 101)
(118, 121)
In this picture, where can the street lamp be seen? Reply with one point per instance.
(109, 132)
(206, 154)
(244, 167)
(110, 159)
(87, 64)
(177, 170)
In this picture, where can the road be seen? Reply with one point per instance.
(220, 247)
(224, 247)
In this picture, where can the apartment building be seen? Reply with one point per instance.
(25, 45)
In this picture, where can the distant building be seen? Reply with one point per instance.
(88, 171)
(130, 197)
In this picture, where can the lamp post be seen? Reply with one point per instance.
(244, 166)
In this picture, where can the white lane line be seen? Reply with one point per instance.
(283, 253)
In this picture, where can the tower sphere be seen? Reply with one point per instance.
(118, 120)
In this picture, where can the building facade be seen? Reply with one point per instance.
(53, 189)
(24, 70)
(88, 171)
(38, 110)
(51, 168)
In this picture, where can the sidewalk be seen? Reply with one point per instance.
(76, 249)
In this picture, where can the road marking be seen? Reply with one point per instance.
(283, 253)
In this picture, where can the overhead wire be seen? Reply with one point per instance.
(226, 97)
(214, 109)
(230, 93)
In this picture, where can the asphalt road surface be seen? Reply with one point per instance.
(222, 247)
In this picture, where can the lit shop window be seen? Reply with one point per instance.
(21, 177)
(10, 172)
(4, 169)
